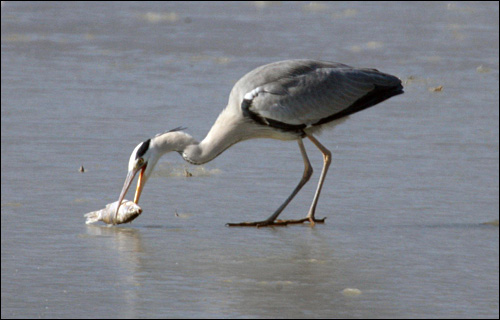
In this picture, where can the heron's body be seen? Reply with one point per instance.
(286, 100)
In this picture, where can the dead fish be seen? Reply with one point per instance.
(129, 210)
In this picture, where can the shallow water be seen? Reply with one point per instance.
(413, 180)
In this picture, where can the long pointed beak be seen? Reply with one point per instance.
(128, 183)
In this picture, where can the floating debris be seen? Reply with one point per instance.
(82, 170)
(169, 170)
(492, 223)
(182, 215)
(11, 204)
(351, 292)
(157, 17)
(315, 6)
(412, 79)
(370, 45)
(265, 4)
(482, 69)
(347, 13)
(436, 89)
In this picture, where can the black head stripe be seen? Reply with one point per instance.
(142, 149)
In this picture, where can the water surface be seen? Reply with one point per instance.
(412, 183)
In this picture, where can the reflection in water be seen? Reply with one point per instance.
(124, 248)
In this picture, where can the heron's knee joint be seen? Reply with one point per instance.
(327, 157)
(308, 172)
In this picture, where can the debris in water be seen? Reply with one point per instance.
(482, 69)
(436, 89)
(351, 292)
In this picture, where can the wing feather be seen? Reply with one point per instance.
(307, 92)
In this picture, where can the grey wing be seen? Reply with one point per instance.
(319, 95)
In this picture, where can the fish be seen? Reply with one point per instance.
(129, 210)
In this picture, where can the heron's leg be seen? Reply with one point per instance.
(327, 160)
(308, 170)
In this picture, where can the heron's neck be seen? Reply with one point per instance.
(191, 150)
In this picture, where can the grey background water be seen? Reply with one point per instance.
(413, 179)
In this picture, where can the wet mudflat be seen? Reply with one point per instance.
(412, 184)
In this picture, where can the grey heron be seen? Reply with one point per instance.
(285, 100)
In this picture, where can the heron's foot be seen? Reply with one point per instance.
(277, 223)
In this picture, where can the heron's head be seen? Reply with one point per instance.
(142, 159)
(145, 156)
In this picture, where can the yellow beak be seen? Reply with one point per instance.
(128, 182)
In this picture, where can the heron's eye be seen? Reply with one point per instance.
(140, 162)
